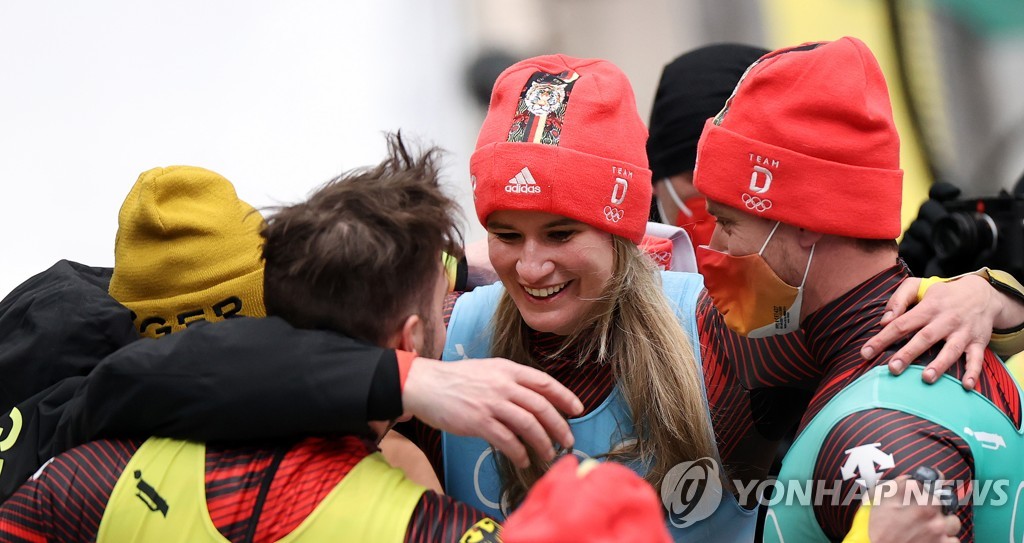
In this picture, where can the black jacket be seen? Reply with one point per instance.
(73, 367)
(58, 324)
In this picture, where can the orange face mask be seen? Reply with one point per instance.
(751, 297)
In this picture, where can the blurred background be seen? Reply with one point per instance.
(280, 96)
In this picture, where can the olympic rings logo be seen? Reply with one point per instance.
(613, 214)
(755, 203)
(661, 257)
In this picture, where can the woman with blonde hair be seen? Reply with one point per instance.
(561, 183)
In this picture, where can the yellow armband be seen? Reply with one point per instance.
(1007, 342)
(927, 282)
(1016, 367)
(859, 530)
(1004, 342)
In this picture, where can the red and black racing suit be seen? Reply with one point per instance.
(256, 493)
(759, 388)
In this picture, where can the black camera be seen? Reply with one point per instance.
(981, 232)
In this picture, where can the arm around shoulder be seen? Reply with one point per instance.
(238, 379)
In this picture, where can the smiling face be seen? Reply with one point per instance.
(553, 267)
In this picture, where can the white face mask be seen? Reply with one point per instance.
(678, 201)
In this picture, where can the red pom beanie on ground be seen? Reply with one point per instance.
(808, 138)
(590, 502)
(563, 136)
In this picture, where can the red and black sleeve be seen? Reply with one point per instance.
(860, 445)
(65, 502)
(440, 518)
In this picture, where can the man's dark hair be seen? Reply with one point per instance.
(877, 245)
(364, 251)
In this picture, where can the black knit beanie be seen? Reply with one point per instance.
(693, 88)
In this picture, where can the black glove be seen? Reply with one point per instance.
(916, 249)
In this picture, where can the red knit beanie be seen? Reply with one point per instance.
(808, 138)
(590, 502)
(563, 136)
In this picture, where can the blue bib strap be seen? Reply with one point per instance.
(470, 472)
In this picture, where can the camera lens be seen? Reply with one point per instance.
(963, 235)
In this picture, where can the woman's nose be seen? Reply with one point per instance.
(534, 263)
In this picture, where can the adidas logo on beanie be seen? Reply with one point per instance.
(523, 183)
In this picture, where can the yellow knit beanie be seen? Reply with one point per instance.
(187, 250)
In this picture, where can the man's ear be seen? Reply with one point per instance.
(412, 334)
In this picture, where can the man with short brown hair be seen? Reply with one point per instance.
(361, 257)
